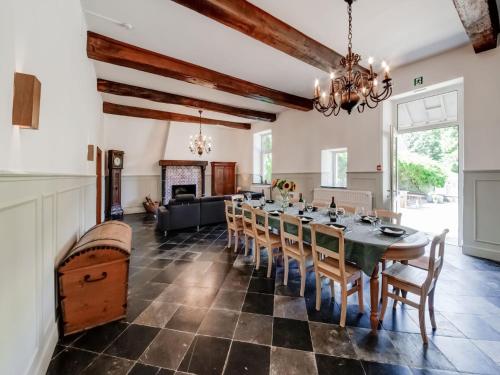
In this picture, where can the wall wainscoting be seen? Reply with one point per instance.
(41, 216)
(135, 188)
(481, 235)
(368, 181)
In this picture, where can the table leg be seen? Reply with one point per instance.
(374, 299)
(404, 293)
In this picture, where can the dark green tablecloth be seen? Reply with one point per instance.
(363, 246)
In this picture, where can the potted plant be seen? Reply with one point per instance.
(284, 187)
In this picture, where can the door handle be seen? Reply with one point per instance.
(88, 279)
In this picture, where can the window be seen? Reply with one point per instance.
(334, 167)
(431, 110)
(262, 157)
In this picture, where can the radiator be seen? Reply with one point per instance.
(353, 198)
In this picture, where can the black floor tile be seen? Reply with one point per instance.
(159, 263)
(328, 365)
(375, 368)
(246, 358)
(187, 319)
(98, 339)
(149, 291)
(70, 361)
(206, 356)
(135, 307)
(106, 364)
(292, 334)
(132, 342)
(199, 297)
(261, 285)
(141, 369)
(258, 303)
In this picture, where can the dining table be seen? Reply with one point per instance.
(364, 243)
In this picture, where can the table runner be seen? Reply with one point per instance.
(363, 246)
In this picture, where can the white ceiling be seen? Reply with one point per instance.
(399, 31)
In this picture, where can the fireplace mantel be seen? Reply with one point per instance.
(183, 163)
(164, 164)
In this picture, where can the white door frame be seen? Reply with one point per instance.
(441, 88)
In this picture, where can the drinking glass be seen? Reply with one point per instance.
(340, 214)
(248, 196)
(309, 207)
(360, 211)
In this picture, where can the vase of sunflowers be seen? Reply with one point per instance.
(284, 188)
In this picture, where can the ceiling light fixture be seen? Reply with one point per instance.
(199, 144)
(354, 88)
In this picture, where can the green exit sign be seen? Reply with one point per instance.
(419, 81)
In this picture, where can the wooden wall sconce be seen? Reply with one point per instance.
(90, 153)
(26, 106)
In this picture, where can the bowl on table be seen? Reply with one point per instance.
(392, 231)
(369, 219)
(338, 226)
(305, 219)
(275, 212)
(269, 201)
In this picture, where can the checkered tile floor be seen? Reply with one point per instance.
(196, 307)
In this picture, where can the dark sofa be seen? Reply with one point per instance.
(187, 211)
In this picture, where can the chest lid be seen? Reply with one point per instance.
(105, 242)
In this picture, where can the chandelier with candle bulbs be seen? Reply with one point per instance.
(199, 143)
(354, 88)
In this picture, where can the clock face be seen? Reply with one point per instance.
(117, 161)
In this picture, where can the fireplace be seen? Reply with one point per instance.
(183, 189)
(181, 173)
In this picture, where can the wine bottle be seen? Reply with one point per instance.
(333, 205)
(300, 198)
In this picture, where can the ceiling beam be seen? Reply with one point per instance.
(125, 110)
(481, 22)
(256, 23)
(112, 51)
(123, 89)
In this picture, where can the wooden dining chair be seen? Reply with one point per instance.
(417, 281)
(389, 216)
(247, 217)
(332, 265)
(349, 209)
(234, 224)
(294, 247)
(264, 238)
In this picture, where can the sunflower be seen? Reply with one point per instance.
(286, 185)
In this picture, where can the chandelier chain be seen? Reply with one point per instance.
(349, 11)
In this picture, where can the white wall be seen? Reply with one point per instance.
(47, 187)
(145, 142)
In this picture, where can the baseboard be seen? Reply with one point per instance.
(42, 361)
(481, 252)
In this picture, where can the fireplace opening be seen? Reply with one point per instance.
(183, 189)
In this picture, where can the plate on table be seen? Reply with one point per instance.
(275, 212)
(338, 226)
(269, 201)
(368, 219)
(392, 231)
(305, 219)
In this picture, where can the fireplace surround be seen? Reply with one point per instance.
(182, 172)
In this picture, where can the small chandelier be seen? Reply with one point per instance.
(353, 89)
(198, 144)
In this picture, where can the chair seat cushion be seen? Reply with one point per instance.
(331, 265)
(294, 248)
(422, 262)
(275, 239)
(406, 274)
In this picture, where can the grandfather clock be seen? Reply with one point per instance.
(114, 208)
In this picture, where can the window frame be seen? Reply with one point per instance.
(260, 153)
(329, 167)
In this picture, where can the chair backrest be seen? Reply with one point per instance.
(436, 261)
(349, 209)
(230, 209)
(321, 230)
(393, 217)
(261, 226)
(247, 216)
(286, 223)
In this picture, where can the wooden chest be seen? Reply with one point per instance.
(93, 277)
